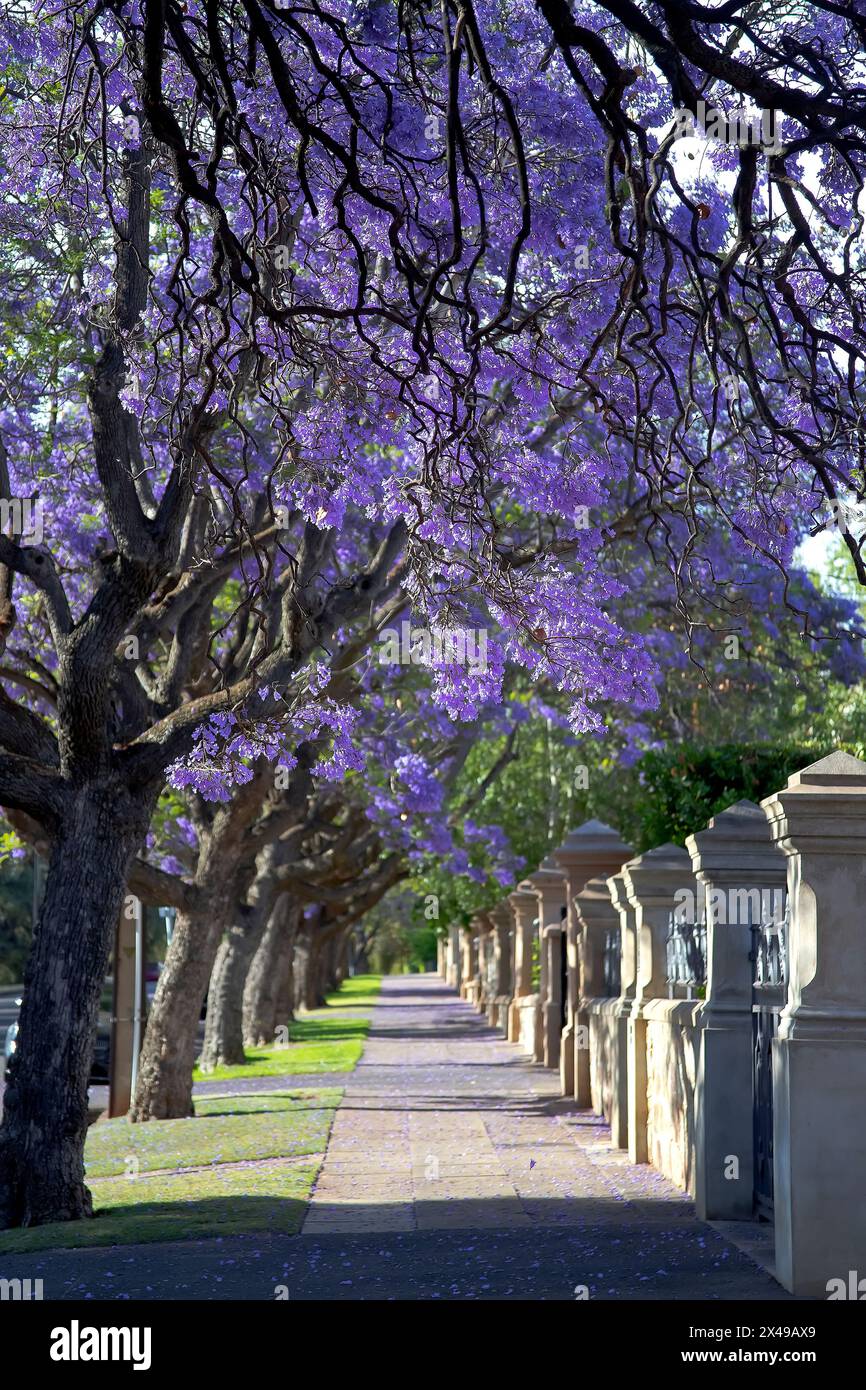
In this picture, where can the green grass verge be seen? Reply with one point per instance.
(185, 1206)
(136, 1198)
(261, 1194)
(322, 1041)
(227, 1129)
(316, 1044)
(360, 992)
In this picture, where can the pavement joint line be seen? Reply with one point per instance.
(277, 1161)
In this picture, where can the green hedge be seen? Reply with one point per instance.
(676, 791)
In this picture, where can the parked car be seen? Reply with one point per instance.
(11, 1035)
(99, 1069)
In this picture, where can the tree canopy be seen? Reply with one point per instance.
(534, 323)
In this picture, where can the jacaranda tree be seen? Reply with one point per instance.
(315, 309)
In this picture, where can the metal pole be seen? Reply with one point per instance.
(127, 1006)
(138, 1002)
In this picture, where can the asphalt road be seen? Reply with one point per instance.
(540, 1262)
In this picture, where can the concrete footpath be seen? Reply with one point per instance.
(454, 1170)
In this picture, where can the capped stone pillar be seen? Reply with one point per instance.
(553, 946)
(654, 883)
(453, 954)
(592, 850)
(819, 1055)
(524, 908)
(594, 913)
(440, 957)
(497, 1011)
(500, 917)
(469, 961)
(741, 878)
(625, 911)
(484, 934)
(548, 882)
(595, 917)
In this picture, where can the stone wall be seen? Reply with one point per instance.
(604, 1056)
(679, 1079)
(530, 1023)
(673, 1039)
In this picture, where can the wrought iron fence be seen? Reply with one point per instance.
(686, 956)
(770, 950)
(769, 990)
(613, 962)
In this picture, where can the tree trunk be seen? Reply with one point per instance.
(319, 949)
(284, 1011)
(359, 950)
(310, 987)
(224, 874)
(330, 965)
(224, 1037)
(314, 993)
(45, 1106)
(164, 1089)
(327, 955)
(342, 958)
(269, 995)
(301, 961)
(224, 1031)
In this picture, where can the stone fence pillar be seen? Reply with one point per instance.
(626, 915)
(549, 884)
(595, 917)
(819, 1055)
(441, 966)
(741, 877)
(522, 1016)
(453, 958)
(484, 930)
(469, 968)
(553, 946)
(497, 1006)
(653, 882)
(591, 850)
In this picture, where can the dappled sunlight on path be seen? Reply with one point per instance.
(447, 1127)
(454, 1170)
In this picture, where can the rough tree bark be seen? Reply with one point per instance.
(269, 991)
(308, 964)
(299, 964)
(284, 999)
(44, 1126)
(222, 878)
(330, 964)
(224, 1033)
(164, 1089)
(359, 951)
(341, 970)
(316, 973)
